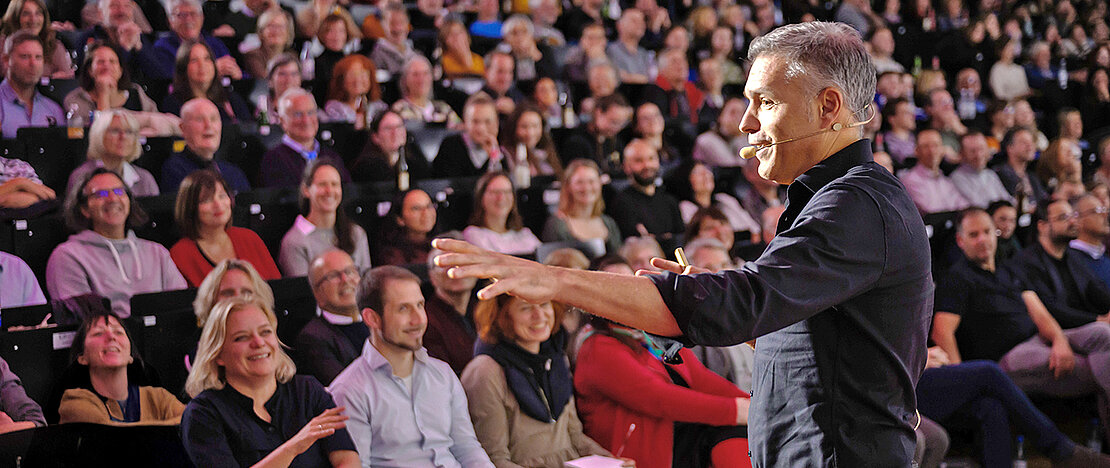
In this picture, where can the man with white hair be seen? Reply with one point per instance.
(284, 164)
(840, 300)
(118, 27)
(201, 129)
(186, 21)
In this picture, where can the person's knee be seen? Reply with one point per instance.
(991, 413)
(988, 374)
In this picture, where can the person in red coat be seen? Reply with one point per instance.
(661, 415)
(203, 214)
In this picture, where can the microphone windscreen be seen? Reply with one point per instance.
(748, 152)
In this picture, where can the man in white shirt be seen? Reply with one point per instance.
(979, 185)
(406, 409)
(929, 188)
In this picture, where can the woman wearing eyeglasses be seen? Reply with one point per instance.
(203, 214)
(113, 145)
(105, 257)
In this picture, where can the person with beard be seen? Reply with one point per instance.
(405, 407)
(1073, 294)
(642, 207)
(1093, 228)
(985, 312)
(331, 340)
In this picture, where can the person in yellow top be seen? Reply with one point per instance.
(102, 347)
(457, 59)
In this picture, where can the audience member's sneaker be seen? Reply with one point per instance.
(1084, 457)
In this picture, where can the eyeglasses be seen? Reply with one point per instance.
(120, 131)
(1065, 217)
(1099, 211)
(332, 276)
(118, 191)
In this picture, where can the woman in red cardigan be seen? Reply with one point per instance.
(661, 415)
(203, 214)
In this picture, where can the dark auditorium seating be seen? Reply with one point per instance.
(343, 139)
(53, 154)
(155, 152)
(34, 239)
(268, 212)
(428, 138)
(57, 89)
(161, 227)
(164, 330)
(294, 306)
(94, 445)
(243, 145)
(38, 356)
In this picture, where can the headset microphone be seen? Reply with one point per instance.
(748, 152)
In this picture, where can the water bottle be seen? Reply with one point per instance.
(308, 62)
(966, 106)
(1019, 460)
(74, 118)
(402, 170)
(1062, 74)
(1094, 440)
(522, 172)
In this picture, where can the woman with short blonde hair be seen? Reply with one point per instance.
(113, 145)
(230, 278)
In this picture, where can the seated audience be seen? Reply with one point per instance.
(475, 151)
(978, 185)
(1059, 163)
(983, 312)
(495, 222)
(1024, 116)
(683, 98)
(591, 49)
(248, 407)
(684, 414)
(1005, 218)
(643, 208)
(519, 387)
(393, 50)
(18, 410)
(500, 84)
(20, 186)
(580, 215)
(275, 37)
(930, 189)
(553, 104)
(1007, 79)
(526, 129)
(406, 408)
(711, 223)
(334, 41)
(322, 224)
(34, 16)
(186, 20)
(388, 142)
(113, 144)
(118, 23)
(201, 129)
(334, 337)
(230, 278)
(282, 74)
(313, 16)
(952, 393)
(406, 237)
(898, 130)
(533, 60)
(449, 305)
(600, 138)
(634, 63)
(487, 24)
(1020, 150)
(638, 251)
(695, 185)
(353, 93)
(105, 85)
(759, 196)
(195, 75)
(1088, 245)
(21, 104)
(458, 60)
(284, 164)
(648, 125)
(1072, 294)
(102, 349)
(737, 362)
(203, 215)
(417, 104)
(105, 257)
(21, 288)
(720, 146)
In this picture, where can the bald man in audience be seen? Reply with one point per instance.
(201, 128)
(334, 338)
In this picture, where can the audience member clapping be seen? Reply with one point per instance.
(248, 407)
(104, 256)
(113, 145)
(519, 386)
(203, 215)
(102, 349)
(33, 16)
(580, 215)
(322, 224)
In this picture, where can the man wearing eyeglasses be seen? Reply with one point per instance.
(334, 338)
(1071, 292)
(104, 257)
(1094, 227)
(186, 19)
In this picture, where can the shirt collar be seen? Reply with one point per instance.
(1096, 251)
(7, 93)
(337, 319)
(288, 141)
(377, 361)
(304, 225)
(832, 167)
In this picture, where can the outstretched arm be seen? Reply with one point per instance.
(629, 300)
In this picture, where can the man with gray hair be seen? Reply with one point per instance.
(284, 164)
(841, 298)
(186, 21)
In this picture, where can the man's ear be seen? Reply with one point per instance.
(830, 102)
(371, 319)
